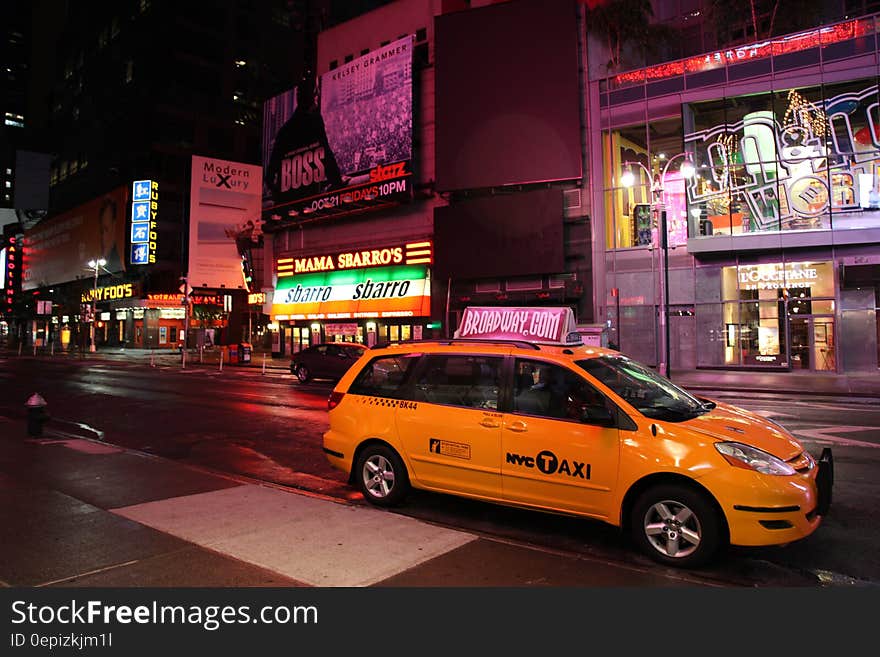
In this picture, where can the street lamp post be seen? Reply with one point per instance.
(96, 265)
(657, 204)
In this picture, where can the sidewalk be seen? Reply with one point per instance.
(793, 383)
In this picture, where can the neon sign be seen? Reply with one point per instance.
(403, 291)
(413, 253)
(761, 50)
(109, 292)
(144, 221)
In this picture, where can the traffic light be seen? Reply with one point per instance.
(247, 272)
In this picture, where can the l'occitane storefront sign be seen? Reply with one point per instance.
(777, 275)
(377, 292)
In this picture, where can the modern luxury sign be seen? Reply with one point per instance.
(224, 201)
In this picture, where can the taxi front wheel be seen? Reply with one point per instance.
(381, 475)
(676, 525)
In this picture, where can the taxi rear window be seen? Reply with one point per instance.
(384, 376)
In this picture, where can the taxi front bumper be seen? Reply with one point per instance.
(778, 510)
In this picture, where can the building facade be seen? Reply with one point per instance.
(714, 212)
(114, 107)
(427, 229)
(761, 161)
(351, 241)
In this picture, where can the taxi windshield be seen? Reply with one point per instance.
(648, 392)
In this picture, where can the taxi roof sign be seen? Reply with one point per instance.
(539, 324)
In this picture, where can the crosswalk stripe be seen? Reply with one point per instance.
(311, 540)
(821, 435)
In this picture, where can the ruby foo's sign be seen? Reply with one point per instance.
(111, 292)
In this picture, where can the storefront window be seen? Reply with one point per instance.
(775, 314)
(652, 158)
(798, 159)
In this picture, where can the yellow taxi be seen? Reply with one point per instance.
(548, 424)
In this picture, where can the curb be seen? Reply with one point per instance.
(868, 397)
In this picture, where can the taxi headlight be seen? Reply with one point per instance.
(751, 458)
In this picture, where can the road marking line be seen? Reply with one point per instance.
(88, 572)
(773, 414)
(820, 434)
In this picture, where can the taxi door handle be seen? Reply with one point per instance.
(519, 426)
(490, 423)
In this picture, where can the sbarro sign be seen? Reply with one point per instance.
(544, 325)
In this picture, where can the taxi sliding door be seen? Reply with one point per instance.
(452, 431)
(559, 450)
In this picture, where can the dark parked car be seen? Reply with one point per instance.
(325, 361)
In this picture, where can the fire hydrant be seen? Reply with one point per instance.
(36, 414)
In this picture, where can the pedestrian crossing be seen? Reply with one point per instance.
(312, 540)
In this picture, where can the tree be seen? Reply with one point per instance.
(623, 24)
(762, 19)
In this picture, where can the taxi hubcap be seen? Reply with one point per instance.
(672, 528)
(378, 476)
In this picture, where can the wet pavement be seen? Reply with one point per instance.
(80, 512)
(86, 513)
(795, 383)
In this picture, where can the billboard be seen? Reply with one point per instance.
(344, 145)
(507, 95)
(503, 235)
(224, 198)
(403, 291)
(57, 249)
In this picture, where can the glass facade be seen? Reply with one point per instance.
(790, 160)
(779, 314)
(797, 159)
(652, 155)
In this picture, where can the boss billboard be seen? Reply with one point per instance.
(345, 144)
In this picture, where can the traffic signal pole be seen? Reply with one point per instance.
(185, 321)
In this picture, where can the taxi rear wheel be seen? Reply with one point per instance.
(676, 525)
(381, 475)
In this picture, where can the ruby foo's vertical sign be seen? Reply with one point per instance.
(144, 221)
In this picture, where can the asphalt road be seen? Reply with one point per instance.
(268, 427)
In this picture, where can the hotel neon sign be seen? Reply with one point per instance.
(787, 44)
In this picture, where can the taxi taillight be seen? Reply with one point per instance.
(334, 399)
